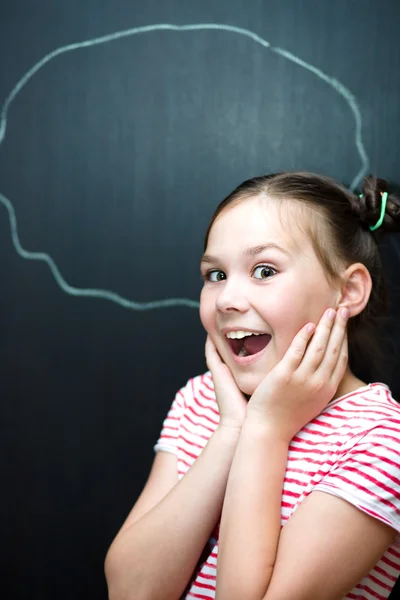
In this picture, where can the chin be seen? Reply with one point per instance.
(247, 384)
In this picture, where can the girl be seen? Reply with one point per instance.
(278, 461)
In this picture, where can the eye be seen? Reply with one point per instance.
(265, 271)
(214, 276)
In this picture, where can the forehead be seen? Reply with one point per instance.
(259, 220)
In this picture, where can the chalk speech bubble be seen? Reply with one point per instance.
(168, 302)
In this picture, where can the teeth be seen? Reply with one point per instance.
(238, 335)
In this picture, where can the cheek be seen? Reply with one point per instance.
(205, 311)
(292, 310)
(287, 315)
(282, 311)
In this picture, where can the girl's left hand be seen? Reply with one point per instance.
(300, 386)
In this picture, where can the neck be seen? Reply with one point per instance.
(349, 383)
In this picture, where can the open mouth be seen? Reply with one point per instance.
(249, 345)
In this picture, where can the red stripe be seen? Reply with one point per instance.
(179, 401)
(374, 514)
(187, 464)
(320, 434)
(361, 407)
(381, 584)
(351, 395)
(210, 565)
(368, 492)
(310, 460)
(171, 415)
(204, 586)
(379, 409)
(334, 414)
(202, 412)
(364, 401)
(393, 551)
(201, 388)
(379, 406)
(376, 468)
(329, 484)
(191, 443)
(211, 400)
(209, 388)
(385, 559)
(291, 494)
(390, 398)
(205, 406)
(385, 573)
(318, 463)
(392, 491)
(192, 382)
(286, 504)
(196, 423)
(381, 458)
(387, 427)
(374, 593)
(384, 436)
(167, 437)
(206, 575)
(194, 433)
(304, 450)
(289, 480)
(311, 428)
(201, 596)
(201, 416)
(188, 454)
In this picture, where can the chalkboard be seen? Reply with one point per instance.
(123, 125)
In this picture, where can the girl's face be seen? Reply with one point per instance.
(261, 274)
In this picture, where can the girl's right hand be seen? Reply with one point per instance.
(232, 402)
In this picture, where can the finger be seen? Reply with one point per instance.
(317, 347)
(209, 352)
(341, 363)
(335, 343)
(295, 353)
(213, 358)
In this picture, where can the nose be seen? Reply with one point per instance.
(232, 298)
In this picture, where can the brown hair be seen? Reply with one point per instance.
(340, 235)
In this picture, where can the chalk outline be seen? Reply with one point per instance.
(106, 294)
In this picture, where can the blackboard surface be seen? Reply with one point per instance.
(123, 125)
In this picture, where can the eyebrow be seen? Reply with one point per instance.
(253, 251)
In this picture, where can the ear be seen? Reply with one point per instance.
(355, 288)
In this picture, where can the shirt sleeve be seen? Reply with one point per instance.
(368, 474)
(168, 439)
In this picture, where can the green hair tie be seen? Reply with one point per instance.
(382, 216)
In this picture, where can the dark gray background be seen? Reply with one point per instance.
(114, 159)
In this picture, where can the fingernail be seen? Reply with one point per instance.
(331, 314)
(344, 313)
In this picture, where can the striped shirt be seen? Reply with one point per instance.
(351, 450)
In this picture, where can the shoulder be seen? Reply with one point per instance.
(366, 469)
(198, 389)
(375, 393)
(364, 408)
(371, 421)
(345, 420)
(353, 447)
(379, 394)
(199, 385)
